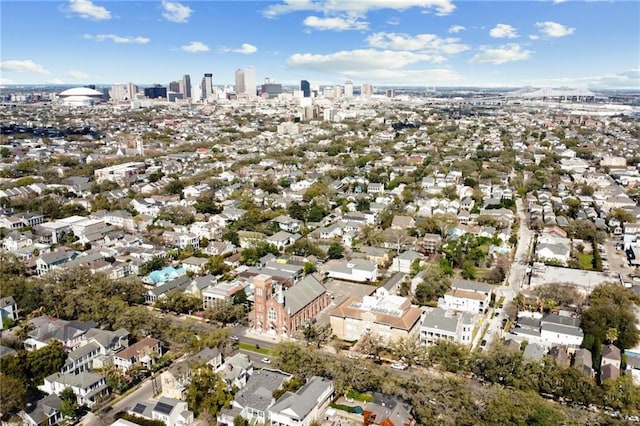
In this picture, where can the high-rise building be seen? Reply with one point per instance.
(207, 86)
(174, 87)
(250, 84)
(118, 92)
(306, 88)
(155, 92)
(240, 88)
(337, 92)
(348, 89)
(186, 83)
(132, 91)
(366, 90)
(270, 90)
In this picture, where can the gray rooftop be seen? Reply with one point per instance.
(258, 393)
(301, 294)
(471, 286)
(438, 319)
(302, 402)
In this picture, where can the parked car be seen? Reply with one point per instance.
(399, 366)
(265, 360)
(483, 343)
(235, 338)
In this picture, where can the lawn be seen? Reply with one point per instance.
(357, 396)
(586, 261)
(253, 348)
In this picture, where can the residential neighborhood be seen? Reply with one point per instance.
(259, 262)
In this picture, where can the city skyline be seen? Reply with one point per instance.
(383, 42)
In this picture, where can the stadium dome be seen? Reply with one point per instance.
(80, 96)
(80, 91)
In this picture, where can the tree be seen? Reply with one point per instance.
(207, 393)
(434, 285)
(335, 251)
(45, 361)
(240, 421)
(371, 344)
(178, 301)
(174, 187)
(69, 403)
(14, 393)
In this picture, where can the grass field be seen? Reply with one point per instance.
(252, 348)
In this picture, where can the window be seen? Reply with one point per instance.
(272, 314)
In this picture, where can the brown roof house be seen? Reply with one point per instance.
(143, 352)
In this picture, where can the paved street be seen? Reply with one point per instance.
(142, 393)
(515, 280)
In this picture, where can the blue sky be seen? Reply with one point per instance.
(593, 44)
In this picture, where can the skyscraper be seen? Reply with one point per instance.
(174, 87)
(207, 86)
(306, 88)
(240, 88)
(366, 90)
(186, 83)
(348, 89)
(118, 93)
(132, 91)
(250, 84)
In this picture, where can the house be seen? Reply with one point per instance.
(305, 405)
(609, 372)
(288, 224)
(466, 296)
(611, 355)
(195, 264)
(358, 270)
(390, 317)
(392, 285)
(439, 324)
(47, 411)
(175, 379)
(402, 222)
(45, 329)
(431, 243)
(49, 261)
(89, 388)
(375, 188)
(142, 352)
(253, 401)
(404, 262)
(221, 292)
(387, 410)
(8, 311)
(236, 370)
(96, 350)
(280, 311)
(172, 412)
(282, 239)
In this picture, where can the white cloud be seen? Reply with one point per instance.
(351, 62)
(430, 43)
(335, 23)
(393, 21)
(454, 29)
(629, 79)
(23, 66)
(176, 12)
(78, 75)
(86, 9)
(355, 7)
(118, 39)
(381, 66)
(195, 47)
(56, 81)
(503, 31)
(500, 55)
(553, 29)
(5, 81)
(558, 1)
(245, 49)
(533, 37)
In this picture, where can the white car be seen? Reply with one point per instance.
(265, 360)
(399, 366)
(235, 338)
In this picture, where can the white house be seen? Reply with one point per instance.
(89, 388)
(303, 407)
(359, 270)
(439, 324)
(403, 262)
(466, 296)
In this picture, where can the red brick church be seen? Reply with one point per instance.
(284, 311)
